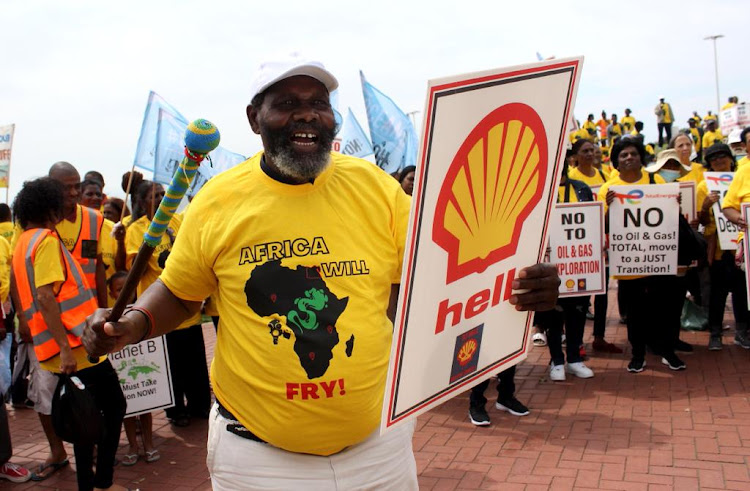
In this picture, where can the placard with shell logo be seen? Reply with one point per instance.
(490, 158)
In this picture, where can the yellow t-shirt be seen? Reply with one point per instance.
(709, 137)
(126, 221)
(7, 231)
(5, 266)
(134, 239)
(695, 174)
(744, 160)
(289, 271)
(667, 113)
(628, 122)
(728, 105)
(69, 232)
(593, 182)
(701, 193)
(49, 270)
(109, 248)
(572, 196)
(739, 190)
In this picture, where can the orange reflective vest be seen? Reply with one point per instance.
(87, 244)
(75, 298)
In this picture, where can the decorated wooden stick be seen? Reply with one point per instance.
(201, 138)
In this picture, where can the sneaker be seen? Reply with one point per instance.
(557, 373)
(683, 347)
(741, 340)
(589, 315)
(714, 343)
(636, 365)
(673, 362)
(579, 370)
(478, 416)
(14, 473)
(513, 406)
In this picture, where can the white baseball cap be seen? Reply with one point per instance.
(271, 71)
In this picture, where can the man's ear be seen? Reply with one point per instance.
(252, 118)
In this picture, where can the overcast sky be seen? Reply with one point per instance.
(76, 74)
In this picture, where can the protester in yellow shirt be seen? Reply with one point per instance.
(86, 249)
(185, 345)
(664, 120)
(682, 144)
(590, 127)
(53, 295)
(745, 140)
(585, 153)
(651, 302)
(725, 275)
(628, 121)
(712, 135)
(302, 353)
(731, 102)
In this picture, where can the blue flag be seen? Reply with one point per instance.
(170, 149)
(352, 139)
(394, 140)
(145, 153)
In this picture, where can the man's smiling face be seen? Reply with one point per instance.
(297, 126)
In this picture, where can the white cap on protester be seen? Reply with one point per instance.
(271, 71)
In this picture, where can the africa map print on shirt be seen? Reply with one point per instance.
(311, 310)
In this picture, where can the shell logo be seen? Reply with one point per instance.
(570, 284)
(495, 180)
(466, 353)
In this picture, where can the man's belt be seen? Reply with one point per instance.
(236, 427)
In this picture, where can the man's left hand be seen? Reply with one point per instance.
(542, 284)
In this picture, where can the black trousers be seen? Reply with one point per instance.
(601, 303)
(102, 381)
(506, 388)
(6, 448)
(654, 306)
(666, 128)
(187, 362)
(571, 313)
(727, 277)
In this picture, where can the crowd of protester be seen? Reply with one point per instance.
(65, 236)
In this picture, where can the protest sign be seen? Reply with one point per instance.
(6, 145)
(486, 184)
(687, 200)
(643, 223)
(726, 231)
(576, 243)
(145, 378)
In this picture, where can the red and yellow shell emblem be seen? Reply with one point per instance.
(466, 353)
(495, 180)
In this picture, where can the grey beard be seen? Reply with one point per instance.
(304, 168)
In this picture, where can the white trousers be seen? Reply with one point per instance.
(379, 462)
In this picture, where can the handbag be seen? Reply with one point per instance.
(75, 415)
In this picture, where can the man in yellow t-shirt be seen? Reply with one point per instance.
(302, 353)
(731, 102)
(70, 227)
(590, 127)
(712, 135)
(664, 120)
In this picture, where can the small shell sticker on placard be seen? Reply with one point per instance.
(495, 180)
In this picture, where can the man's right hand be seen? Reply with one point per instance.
(101, 337)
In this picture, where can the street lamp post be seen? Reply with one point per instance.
(716, 68)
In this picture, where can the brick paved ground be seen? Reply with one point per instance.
(654, 430)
